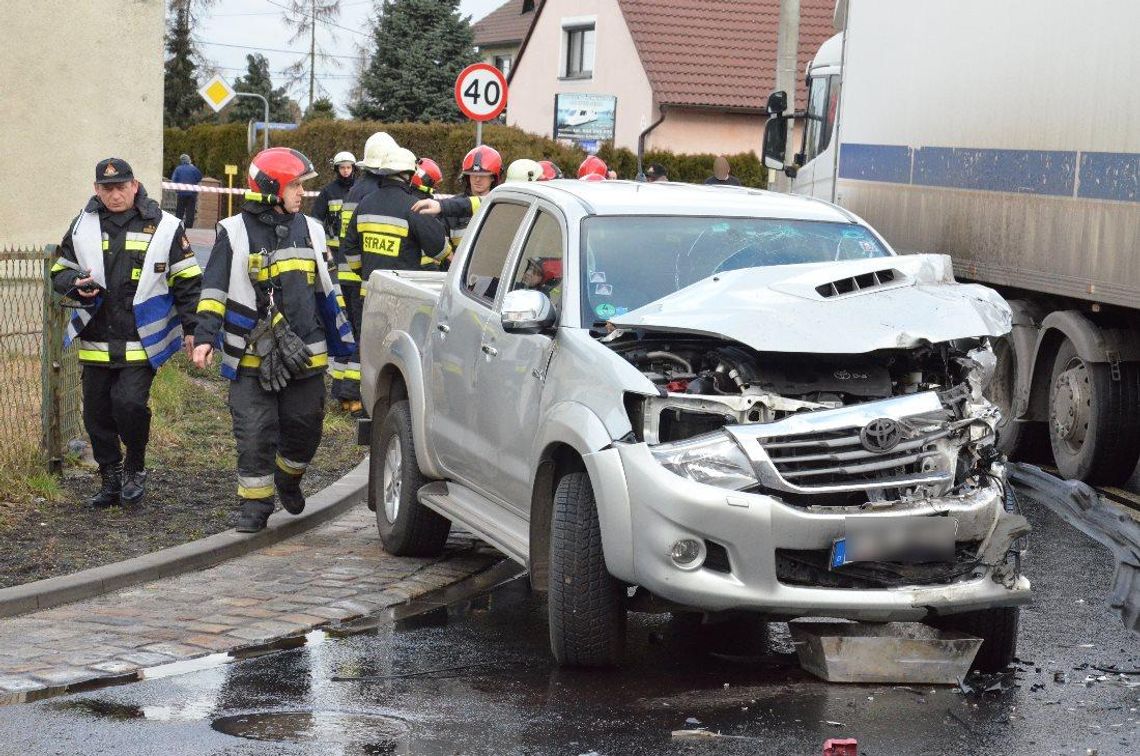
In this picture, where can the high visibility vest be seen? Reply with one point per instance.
(239, 310)
(156, 317)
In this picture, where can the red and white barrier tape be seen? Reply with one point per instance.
(212, 189)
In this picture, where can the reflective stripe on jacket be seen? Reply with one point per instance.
(156, 317)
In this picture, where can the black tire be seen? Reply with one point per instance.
(585, 604)
(996, 627)
(415, 531)
(1027, 441)
(1103, 444)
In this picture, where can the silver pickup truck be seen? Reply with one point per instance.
(697, 399)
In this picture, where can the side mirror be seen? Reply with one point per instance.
(777, 103)
(775, 141)
(527, 311)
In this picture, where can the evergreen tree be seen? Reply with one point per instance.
(180, 100)
(258, 81)
(321, 110)
(420, 47)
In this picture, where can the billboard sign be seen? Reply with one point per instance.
(581, 117)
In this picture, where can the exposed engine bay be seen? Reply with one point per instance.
(824, 429)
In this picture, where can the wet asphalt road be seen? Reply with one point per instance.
(516, 702)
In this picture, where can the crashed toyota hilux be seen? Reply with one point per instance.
(697, 399)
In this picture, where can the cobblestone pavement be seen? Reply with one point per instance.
(332, 574)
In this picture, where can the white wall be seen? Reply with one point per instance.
(82, 80)
(617, 71)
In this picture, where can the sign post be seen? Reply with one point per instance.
(217, 93)
(231, 171)
(481, 94)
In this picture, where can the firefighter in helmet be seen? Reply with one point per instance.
(482, 172)
(272, 308)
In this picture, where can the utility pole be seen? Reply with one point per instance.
(312, 50)
(787, 73)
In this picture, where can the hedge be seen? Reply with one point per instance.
(213, 146)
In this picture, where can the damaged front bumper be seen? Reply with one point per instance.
(744, 541)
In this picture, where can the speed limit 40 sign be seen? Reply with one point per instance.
(481, 92)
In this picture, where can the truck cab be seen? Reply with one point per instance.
(814, 165)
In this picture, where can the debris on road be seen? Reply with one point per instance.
(701, 734)
(1082, 507)
(893, 652)
(841, 747)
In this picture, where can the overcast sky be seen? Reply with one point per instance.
(234, 28)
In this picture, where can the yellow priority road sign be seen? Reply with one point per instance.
(217, 93)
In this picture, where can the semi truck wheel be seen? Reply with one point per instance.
(1027, 441)
(585, 604)
(996, 627)
(1094, 419)
(407, 527)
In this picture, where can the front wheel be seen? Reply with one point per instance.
(407, 527)
(1094, 418)
(585, 604)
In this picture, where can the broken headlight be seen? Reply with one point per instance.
(713, 458)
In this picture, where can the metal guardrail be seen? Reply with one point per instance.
(40, 404)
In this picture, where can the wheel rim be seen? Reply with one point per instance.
(1071, 406)
(393, 478)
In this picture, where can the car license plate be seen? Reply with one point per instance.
(914, 540)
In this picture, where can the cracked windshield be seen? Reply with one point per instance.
(632, 261)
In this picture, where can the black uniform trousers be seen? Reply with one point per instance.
(115, 409)
(347, 389)
(275, 431)
(186, 209)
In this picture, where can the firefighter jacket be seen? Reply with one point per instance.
(262, 256)
(456, 212)
(348, 265)
(150, 278)
(389, 235)
(327, 207)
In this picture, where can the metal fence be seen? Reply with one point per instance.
(39, 382)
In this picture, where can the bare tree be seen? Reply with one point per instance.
(302, 16)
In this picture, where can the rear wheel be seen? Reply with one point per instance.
(407, 527)
(996, 627)
(1094, 419)
(585, 604)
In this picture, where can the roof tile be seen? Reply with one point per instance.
(708, 53)
(507, 24)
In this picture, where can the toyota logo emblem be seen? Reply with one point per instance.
(881, 435)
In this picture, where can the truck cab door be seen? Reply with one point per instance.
(511, 372)
(816, 176)
(465, 307)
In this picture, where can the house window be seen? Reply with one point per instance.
(503, 63)
(579, 51)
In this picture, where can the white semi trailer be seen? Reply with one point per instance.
(1006, 135)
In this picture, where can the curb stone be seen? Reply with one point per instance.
(323, 506)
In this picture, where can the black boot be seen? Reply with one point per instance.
(254, 515)
(289, 490)
(110, 494)
(134, 483)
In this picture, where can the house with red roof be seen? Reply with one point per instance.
(695, 74)
(500, 34)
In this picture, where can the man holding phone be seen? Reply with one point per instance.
(130, 270)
